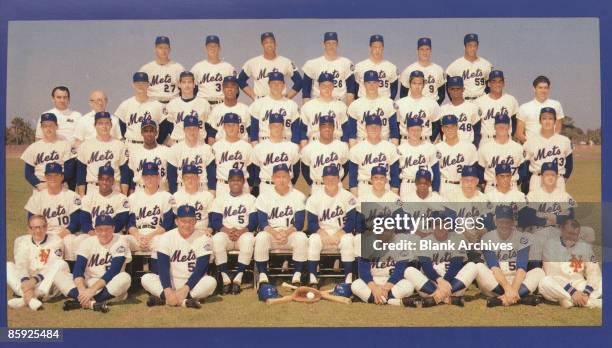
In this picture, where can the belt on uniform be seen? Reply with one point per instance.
(135, 141)
(470, 98)
(492, 184)
(164, 101)
(317, 183)
(215, 102)
(424, 137)
(365, 182)
(268, 182)
(452, 182)
(408, 181)
(223, 181)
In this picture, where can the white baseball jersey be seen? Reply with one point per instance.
(382, 107)
(512, 196)
(41, 152)
(235, 210)
(424, 108)
(209, 78)
(95, 153)
(258, 68)
(456, 195)
(96, 204)
(132, 113)
(556, 202)
(86, 129)
(413, 158)
(367, 155)
(55, 208)
(315, 108)
(200, 200)
(281, 209)
(369, 197)
(33, 258)
(100, 256)
(467, 117)
(539, 150)
(262, 108)
(489, 108)
(181, 154)
(440, 258)
(474, 74)
(229, 155)
(434, 78)
(150, 209)
(507, 258)
(387, 74)
(571, 263)
(178, 108)
(452, 158)
(317, 156)
(341, 68)
(433, 197)
(529, 113)
(491, 153)
(138, 155)
(215, 119)
(331, 211)
(183, 252)
(66, 123)
(163, 79)
(267, 154)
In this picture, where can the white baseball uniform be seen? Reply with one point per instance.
(200, 200)
(262, 108)
(529, 113)
(41, 152)
(315, 108)
(467, 117)
(411, 160)
(95, 153)
(259, 67)
(489, 108)
(215, 119)
(317, 156)
(85, 128)
(66, 124)
(132, 113)
(382, 107)
(367, 155)
(491, 153)
(267, 154)
(424, 108)
(512, 196)
(434, 78)
(381, 270)
(96, 204)
(149, 211)
(231, 155)
(452, 158)
(539, 150)
(178, 108)
(138, 155)
(474, 74)
(341, 68)
(387, 74)
(209, 78)
(181, 154)
(163, 79)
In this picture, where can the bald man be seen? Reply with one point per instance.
(84, 129)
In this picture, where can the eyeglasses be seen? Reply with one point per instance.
(38, 227)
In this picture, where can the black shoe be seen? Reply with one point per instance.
(531, 300)
(227, 289)
(314, 285)
(428, 302)
(71, 305)
(297, 284)
(457, 301)
(494, 302)
(236, 289)
(192, 303)
(412, 302)
(155, 301)
(100, 307)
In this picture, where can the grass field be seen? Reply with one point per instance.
(245, 311)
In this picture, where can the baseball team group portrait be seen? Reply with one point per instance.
(221, 173)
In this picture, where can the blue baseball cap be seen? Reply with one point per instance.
(370, 75)
(101, 114)
(414, 121)
(140, 77)
(266, 35)
(212, 39)
(231, 117)
(330, 170)
(190, 169)
(378, 170)
(496, 73)
(467, 171)
(503, 168)
(276, 118)
(147, 122)
(343, 289)
(424, 41)
(150, 168)
(548, 109)
(417, 73)
(280, 167)
(449, 120)
(326, 119)
(550, 166)
(106, 170)
(229, 79)
(454, 81)
(330, 35)
(469, 38)
(376, 38)
(104, 220)
(186, 74)
(235, 172)
(53, 168)
(423, 174)
(162, 40)
(373, 119)
(185, 211)
(502, 118)
(325, 77)
(267, 291)
(191, 121)
(276, 76)
(48, 117)
(503, 211)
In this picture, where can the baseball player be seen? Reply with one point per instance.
(281, 214)
(495, 103)
(231, 152)
(473, 69)
(230, 105)
(61, 208)
(551, 200)
(501, 150)
(340, 68)
(259, 69)
(186, 104)
(150, 211)
(324, 105)
(434, 74)
(466, 112)
(190, 194)
(373, 104)
(372, 152)
(99, 272)
(504, 277)
(331, 222)
(132, 111)
(529, 113)
(66, 119)
(102, 150)
(85, 128)
(191, 151)
(573, 276)
(385, 70)
(323, 152)
(149, 151)
(548, 146)
(468, 190)
(273, 151)
(505, 189)
(104, 201)
(275, 103)
(418, 105)
(163, 72)
(210, 72)
(423, 191)
(183, 256)
(453, 153)
(37, 260)
(416, 154)
(233, 218)
(46, 150)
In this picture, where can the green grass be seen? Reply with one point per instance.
(245, 311)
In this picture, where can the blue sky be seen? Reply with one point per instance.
(88, 55)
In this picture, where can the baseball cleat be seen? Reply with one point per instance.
(71, 305)
(263, 278)
(412, 302)
(101, 307)
(236, 289)
(16, 303)
(227, 289)
(531, 300)
(192, 303)
(428, 302)
(494, 302)
(297, 278)
(155, 301)
(457, 301)
(35, 304)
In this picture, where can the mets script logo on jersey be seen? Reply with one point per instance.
(468, 212)
(197, 161)
(491, 114)
(96, 211)
(329, 214)
(318, 115)
(181, 115)
(506, 255)
(323, 160)
(495, 160)
(178, 256)
(226, 156)
(156, 160)
(263, 73)
(96, 260)
(418, 161)
(233, 211)
(552, 207)
(379, 263)
(53, 156)
(448, 161)
(545, 153)
(208, 77)
(272, 158)
(269, 112)
(278, 213)
(157, 79)
(419, 114)
(440, 257)
(135, 118)
(58, 211)
(380, 159)
(430, 80)
(145, 213)
(96, 156)
(378, 112)
(373, 213)
(382, 74)
(471, 75)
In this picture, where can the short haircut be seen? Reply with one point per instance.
(36, 217)
(541, 79)
(60, 88)
(573, 222)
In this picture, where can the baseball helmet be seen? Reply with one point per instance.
(267, 291)
(343, 289)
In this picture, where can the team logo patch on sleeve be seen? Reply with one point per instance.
(353, 201)
(524, 240)
(58, 252)
(172, 201)
(121, 249)
(126, 204)
(207, 247)
(77, 201)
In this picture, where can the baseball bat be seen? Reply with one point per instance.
(324, 294)
(278, 300)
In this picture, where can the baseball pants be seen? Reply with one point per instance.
(244, 244)
(553, 289)
(297, 242)
(401, 289)
(487, 283)
(204, 288)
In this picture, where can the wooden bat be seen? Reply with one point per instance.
(324, 294)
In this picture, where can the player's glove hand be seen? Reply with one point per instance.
(579, 299)
(512, 296)
(171, 298)
(377, 293)
(444, 287)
